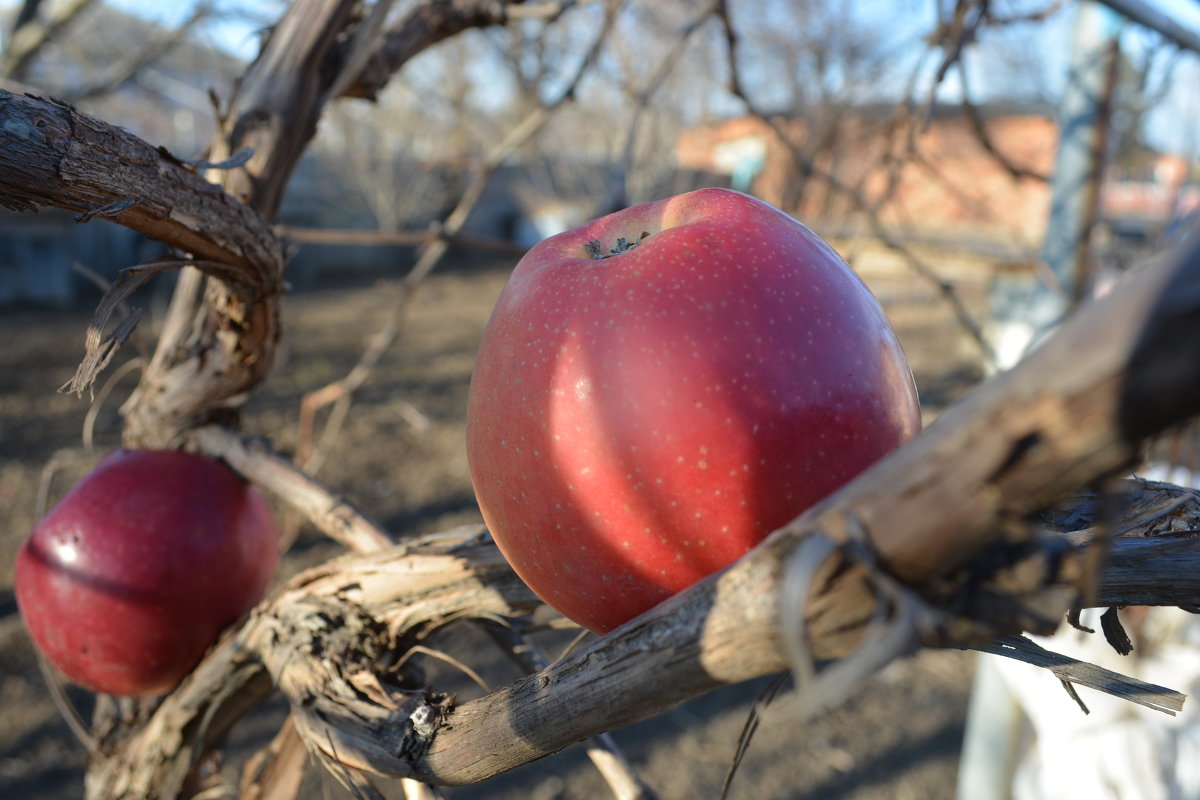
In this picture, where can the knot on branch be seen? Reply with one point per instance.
(356, 705)
(336, 642)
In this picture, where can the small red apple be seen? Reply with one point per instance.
(661, 388)
(132, 576)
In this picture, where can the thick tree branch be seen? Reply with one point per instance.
(54, 155)
(219, 338)
(200, 372)
(341, 521)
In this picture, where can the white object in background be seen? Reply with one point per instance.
(1026, 738)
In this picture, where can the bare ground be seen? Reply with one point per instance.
(401, 457)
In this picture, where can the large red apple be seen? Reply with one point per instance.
(132, 576)
(661, 388)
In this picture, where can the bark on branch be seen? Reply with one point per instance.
(329, 638)
(51, 154)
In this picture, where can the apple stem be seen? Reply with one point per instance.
(595, 249)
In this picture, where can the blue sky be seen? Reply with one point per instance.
(1172, 127)
(236, 33)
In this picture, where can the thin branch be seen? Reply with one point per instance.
(32, 36)
(356, 236)
(765, 697)
(445, 657)
(328, 511)
(66, 709)
(1033, 16)
(99, 349)
(340, 393)
(50, 469)
(276, 771)
(1073, 670)
(137, 60)
(953, 36)
(89, 419)
(979, 126)
(618, 193)
(1158, 21)
(857, 197)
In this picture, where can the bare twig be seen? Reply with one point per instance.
(276, 771)
(953, 36)
(354, 236)
(66, 709)
(765, 697)
(979, 126)
(89, 419)
(135, 61)
(31, 36)
(618, 193)
(310, 453)
(614, 767)
(51, 468)
(329, 512)
(1158, 21)
(99, 349)
(1072, 670)
(855, 194)
(443, 656)
(238, 159)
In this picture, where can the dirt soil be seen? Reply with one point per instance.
(401, 456)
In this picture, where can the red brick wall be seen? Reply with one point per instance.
(950, 182)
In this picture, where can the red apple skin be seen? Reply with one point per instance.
(640, 421)
(133, 575)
